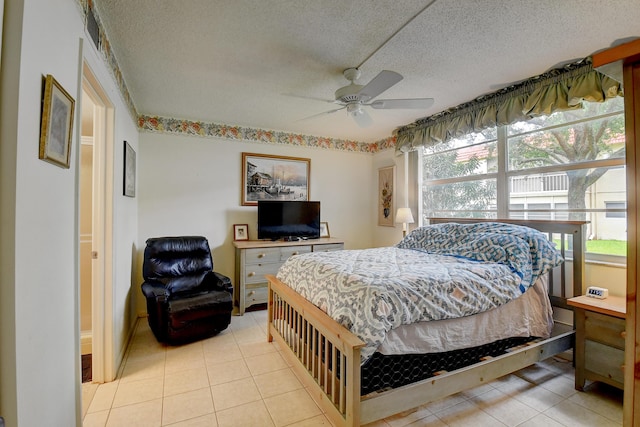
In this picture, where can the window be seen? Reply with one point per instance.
(615, 209)
(569, 165)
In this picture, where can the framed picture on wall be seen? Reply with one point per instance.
(56, 127)
(129, 179)
(268, 177)
(386, 196)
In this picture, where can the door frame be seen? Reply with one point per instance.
(103, 358)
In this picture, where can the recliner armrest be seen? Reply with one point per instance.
(224, 282)
(154, 289)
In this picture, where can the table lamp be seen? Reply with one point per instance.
(405, 217)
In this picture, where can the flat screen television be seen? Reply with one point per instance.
(288, 220)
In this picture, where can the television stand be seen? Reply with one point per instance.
(255, 258)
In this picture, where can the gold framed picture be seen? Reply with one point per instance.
(269, 177)
(56, 124)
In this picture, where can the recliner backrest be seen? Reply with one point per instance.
(180, 263)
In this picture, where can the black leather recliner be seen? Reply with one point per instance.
(186, 299)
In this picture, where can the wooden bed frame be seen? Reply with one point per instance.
(326, 356)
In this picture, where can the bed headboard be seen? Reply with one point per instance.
(559, 289)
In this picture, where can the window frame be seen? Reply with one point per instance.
(503, 176)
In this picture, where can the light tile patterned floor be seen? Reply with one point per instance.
(238, 379)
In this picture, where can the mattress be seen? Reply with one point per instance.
(531, 315)
(437, 273)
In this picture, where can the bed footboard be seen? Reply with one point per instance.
(326, 358)
(325, 355)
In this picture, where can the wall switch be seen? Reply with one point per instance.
(596, 292)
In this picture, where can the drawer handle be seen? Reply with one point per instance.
(251, 293)
(295, 253)
(262, 255)
(253, 273)
(623, 334)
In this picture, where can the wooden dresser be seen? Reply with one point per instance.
(255, 258)
(600, 334)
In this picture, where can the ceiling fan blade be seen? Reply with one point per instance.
(383, 81)
(293, 95)
(411, 103)
(324, 113)
(362, 118)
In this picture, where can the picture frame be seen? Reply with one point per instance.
(324, 229)
(56, 126)
(270, 177)
(386, 196)
(240, 232)
(129, 171)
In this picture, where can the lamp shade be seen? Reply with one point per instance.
(404, 216)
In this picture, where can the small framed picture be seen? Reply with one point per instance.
(240, 232)
(129, 179)
(324, 229)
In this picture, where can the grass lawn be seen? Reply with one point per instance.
(609, 247)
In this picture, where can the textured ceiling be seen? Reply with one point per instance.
(260, 63)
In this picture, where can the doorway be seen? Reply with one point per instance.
(86, 235)
(95, 245)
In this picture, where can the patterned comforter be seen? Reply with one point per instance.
(437, 272)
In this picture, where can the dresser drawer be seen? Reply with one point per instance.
(604, 360)
(604, 329)
(288, 251)
(262, 255)
(254, 273)
(329, 247)
(257, 295)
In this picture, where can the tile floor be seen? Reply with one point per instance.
(238, 379)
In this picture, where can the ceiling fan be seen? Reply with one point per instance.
(353, 97)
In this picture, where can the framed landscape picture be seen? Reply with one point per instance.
(269, 177)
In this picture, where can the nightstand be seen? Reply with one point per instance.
(600, 333)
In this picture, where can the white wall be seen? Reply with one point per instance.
(190, 185)
(39, 338)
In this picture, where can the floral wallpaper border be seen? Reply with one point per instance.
(214, 130)
(108, 55)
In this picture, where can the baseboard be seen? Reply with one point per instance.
(86, 340)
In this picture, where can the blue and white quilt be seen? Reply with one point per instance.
(436, 272)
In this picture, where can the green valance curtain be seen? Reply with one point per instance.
(556, 90)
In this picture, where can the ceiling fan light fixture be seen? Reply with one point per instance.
(354, 109)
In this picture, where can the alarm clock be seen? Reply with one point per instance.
(596, 292)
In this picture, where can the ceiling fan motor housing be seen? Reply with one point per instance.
(349, 94)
